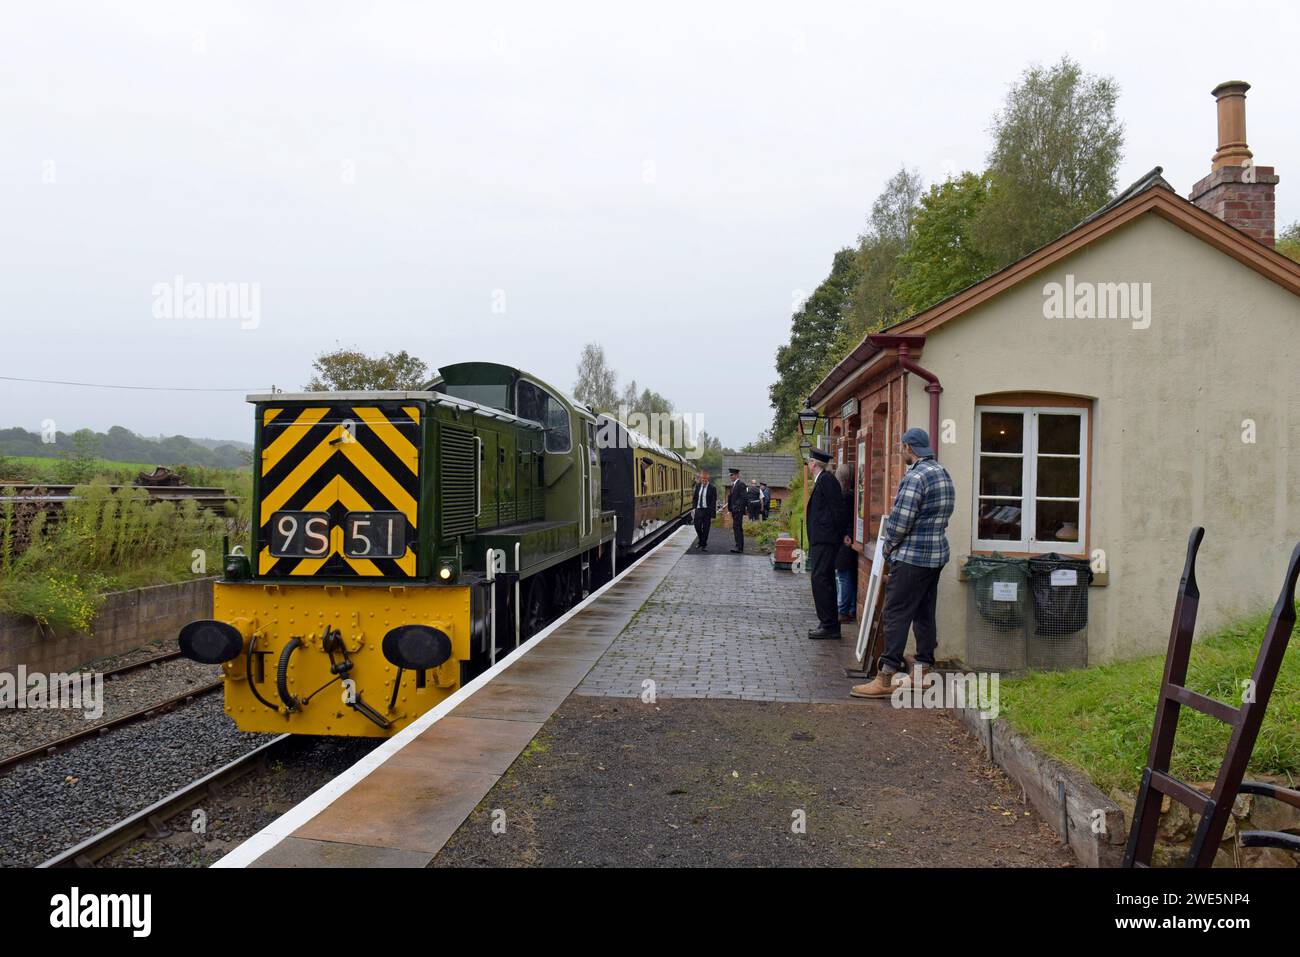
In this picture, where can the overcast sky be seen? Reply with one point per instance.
(663, 179)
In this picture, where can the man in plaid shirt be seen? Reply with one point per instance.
(917, 549)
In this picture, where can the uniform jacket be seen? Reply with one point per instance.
(825, 515)
(710, 496)
(737, 497)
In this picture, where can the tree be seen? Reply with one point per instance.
(873, 304)
(597, 382)
(1057, 146)
(349, 370)
(814, 330)
(79, 464)
(941, 257)
(1288, 241)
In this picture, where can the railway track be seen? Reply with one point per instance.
(143, 714)
(151, 819)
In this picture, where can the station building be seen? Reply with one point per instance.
(1098, 398)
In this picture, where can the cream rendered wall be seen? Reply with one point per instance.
(1167, 453)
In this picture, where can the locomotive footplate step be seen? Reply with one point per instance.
(400, 804)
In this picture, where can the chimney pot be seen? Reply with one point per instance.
(1232, 151)
(1236, 190)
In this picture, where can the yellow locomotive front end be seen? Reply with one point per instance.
(343, 619)
(312, 658)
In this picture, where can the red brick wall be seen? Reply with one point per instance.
(882, 417)
(1241, 196)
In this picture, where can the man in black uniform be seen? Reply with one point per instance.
(824, 521)
(737, 502)
(704, 500)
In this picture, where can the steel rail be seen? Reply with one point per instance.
(151, 819)
(95, 730)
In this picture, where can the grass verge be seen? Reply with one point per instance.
(1099, 719)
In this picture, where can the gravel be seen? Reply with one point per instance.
(613, 782)
(25, 728)
(53, 803)
(246, 806)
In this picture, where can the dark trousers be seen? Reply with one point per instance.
(703, 521)
(821, 569)
(737, 526)
(911, 595)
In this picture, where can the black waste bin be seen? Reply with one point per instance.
(1060, 591)
(1001, 593)
(997, 616)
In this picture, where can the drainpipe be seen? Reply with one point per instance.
(904, 345)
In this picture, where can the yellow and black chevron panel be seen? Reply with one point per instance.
(322, 463)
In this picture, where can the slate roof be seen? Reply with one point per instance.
(777, 471)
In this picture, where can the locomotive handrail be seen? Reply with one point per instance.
(478, 476)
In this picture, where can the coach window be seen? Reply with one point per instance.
(535, 403)
(1031, 481)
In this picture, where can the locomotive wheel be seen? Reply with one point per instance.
(565, 588)
(536, 608)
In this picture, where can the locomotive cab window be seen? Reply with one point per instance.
(535, 403)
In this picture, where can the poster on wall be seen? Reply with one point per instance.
(860, 513)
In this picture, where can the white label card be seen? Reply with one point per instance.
(1004, 591)
(1065, 576)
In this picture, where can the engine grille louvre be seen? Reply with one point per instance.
(457, 475)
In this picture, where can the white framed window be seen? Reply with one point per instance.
(1031, 476)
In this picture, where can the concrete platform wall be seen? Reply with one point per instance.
(127, 620)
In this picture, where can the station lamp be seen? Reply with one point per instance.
(808, 420)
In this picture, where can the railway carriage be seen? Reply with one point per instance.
(404, 541)
(646, 485)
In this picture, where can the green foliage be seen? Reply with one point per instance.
(857, 297)
(1057, 146)
(942, 258)
(1288, 241)
(55, 571)
(875, 303)
(1099, 719)
(814, 330)
(350, 370)
(78, 464)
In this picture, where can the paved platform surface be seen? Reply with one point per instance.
(707, 782)
(726, 626)
(749, 753)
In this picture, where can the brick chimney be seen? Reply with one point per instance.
(1237, 191)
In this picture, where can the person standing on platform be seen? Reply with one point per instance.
(755, 501)
(767, 499)
(824, 520)
(846, 558)
(737, 502)
(916, 547)
(704, 499)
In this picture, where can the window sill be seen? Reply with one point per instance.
(1099, 579)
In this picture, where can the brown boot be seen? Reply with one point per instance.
(881, 686)
(918, 676)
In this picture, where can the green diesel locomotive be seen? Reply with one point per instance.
(405, 541)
